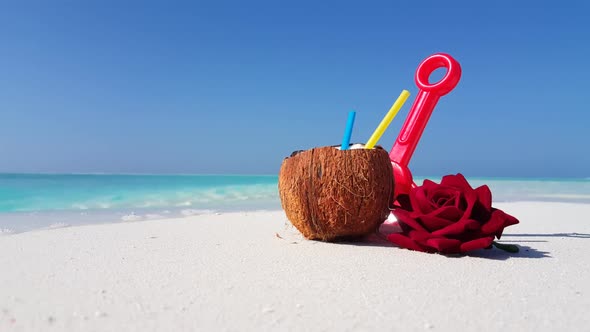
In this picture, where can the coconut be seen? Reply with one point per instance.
(330, 195)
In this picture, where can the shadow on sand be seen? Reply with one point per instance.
(497, 254)
(380, 240)
(575, 235)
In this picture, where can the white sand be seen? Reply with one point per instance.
(231, 272)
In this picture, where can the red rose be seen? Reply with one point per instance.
(450, 217)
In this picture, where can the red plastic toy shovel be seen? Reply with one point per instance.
(412, 130)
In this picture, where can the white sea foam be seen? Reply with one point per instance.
(6, 231)
(564, 196)
(131, 217)
(58, 225)
(195, 212)
(153, 203)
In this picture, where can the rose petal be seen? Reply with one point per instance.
(442, 195)
(471, 200)
(444, 245)
(440, 218)
(496, 223)
(420, 202)
(429, 184)
(449, 213)
(405, 242)
(419, 236)
(446, 201)
(508, 220)
(458, 228)
(461, 202)
(480, 243)
(484, 196)
(405, 218)
(456, 181)
(467, 192)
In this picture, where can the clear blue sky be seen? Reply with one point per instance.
(234, 87)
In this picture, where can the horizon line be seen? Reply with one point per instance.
(435, 177)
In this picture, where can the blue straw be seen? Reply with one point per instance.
(348, 131)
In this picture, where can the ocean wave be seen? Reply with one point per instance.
(131, 217)
(194, 212)
(6, 231)
(153, 216)
(171, 199)
(564, 196)
(56, 225)
(53, 192)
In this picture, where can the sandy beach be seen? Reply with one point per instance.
(253, 271)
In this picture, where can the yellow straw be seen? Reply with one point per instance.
(387, 119)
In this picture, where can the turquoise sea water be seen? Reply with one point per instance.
(32, 201)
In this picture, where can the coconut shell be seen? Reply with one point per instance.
(330, 195)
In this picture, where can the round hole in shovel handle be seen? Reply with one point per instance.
(447, 83)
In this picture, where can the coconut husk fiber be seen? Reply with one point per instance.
(331, 195)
